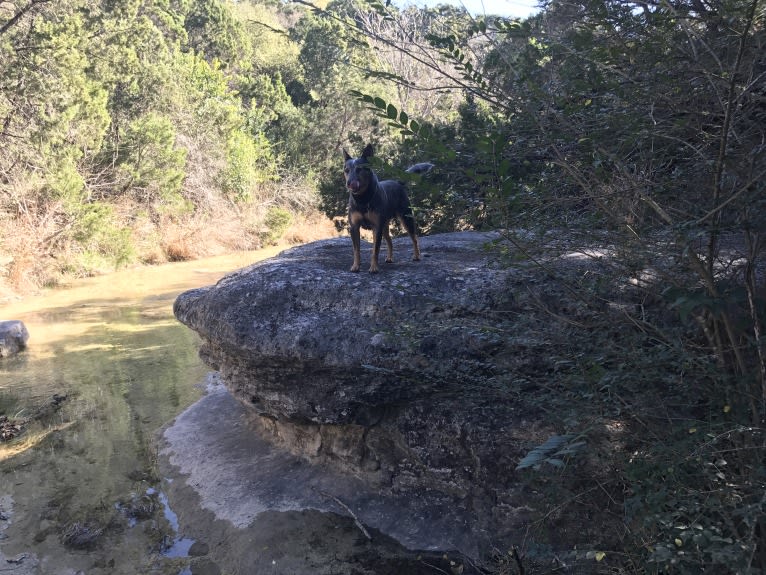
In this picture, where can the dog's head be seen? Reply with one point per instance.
(358, 171)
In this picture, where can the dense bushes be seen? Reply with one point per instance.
(638, 128)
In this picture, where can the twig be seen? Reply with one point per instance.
(348, 509)
(434, 567)
(545, 308)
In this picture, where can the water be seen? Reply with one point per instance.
(79, 490)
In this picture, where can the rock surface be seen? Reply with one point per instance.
(399, 379)
(13, 337)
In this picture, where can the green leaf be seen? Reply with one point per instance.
(597, 555)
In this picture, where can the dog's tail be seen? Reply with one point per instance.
(421, 168)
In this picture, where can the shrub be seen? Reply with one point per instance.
(277, 221)
(250, 162)
(149, 158)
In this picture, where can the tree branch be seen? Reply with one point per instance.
(20, 14)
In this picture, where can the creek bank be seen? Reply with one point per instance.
(400, 394)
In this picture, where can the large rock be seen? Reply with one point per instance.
(398, 378)
(13, 337)
(301, 338)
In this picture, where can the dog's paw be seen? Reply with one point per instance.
(373, 269)
(389, 260)
(354, 268)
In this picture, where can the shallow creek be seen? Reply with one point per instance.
(107, 365)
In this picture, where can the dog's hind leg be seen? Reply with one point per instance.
(408, 223)
(389, 245)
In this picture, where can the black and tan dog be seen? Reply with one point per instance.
(372, 204)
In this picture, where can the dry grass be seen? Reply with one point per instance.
(38, 247)
(314, 226)
(34, 253)
(26, 236)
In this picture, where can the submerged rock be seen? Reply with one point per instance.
(396, 378)
(13, 337)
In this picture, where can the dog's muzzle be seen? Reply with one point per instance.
(353, 185)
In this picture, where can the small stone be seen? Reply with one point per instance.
(13, 337)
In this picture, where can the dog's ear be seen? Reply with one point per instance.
(368, 151)
(345, 155)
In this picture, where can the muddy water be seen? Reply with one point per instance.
(107, 365)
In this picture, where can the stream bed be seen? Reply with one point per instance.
(106, 366)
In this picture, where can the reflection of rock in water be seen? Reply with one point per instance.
(238, 493)
(239, 475)
(139, 507)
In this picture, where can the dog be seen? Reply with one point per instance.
(372, 204)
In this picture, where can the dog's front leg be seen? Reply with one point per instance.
(356, 241)
(377, 237)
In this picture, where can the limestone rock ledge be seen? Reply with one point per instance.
(399, 377)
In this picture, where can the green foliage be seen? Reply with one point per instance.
(204, 106)
(213, 31)
(323, 50)
(277, 221)
(693, 497)
(250, 162)
(273, 51)
(150, 159)
(66, 184)
(397, 119)
(102, 242)
(55, 129)
(272, 112)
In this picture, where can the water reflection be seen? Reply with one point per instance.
(112, 348)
